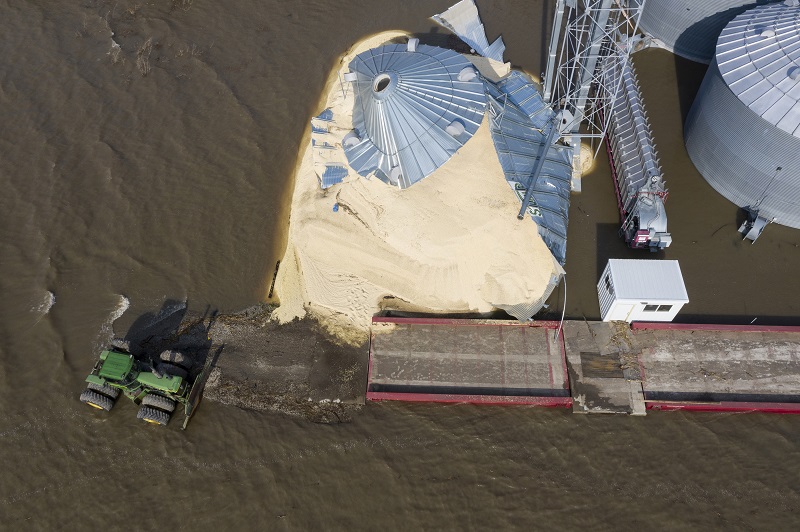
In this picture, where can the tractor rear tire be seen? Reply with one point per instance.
(104, 389)
(172, 369)
(175, 357)
(96, 400)
(121, 344)
(151, 415)
(159, 401)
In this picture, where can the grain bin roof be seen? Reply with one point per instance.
(647, 280)
(758, 54)
(416, 105)
(690, 28)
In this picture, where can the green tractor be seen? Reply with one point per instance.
(157, 388)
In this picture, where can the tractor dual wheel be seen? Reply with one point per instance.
(104, 389)
(159, 402)
(96, 400)
(175, 357)
(151, 415)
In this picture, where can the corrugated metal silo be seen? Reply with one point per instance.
(690, 28)
(743, 131)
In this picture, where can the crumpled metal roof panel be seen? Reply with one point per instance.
(413, 110)
(463, 20)
(519, 139)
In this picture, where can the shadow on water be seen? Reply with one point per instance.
(436, 36)
(737, 319)
(610, 245)
(172, 328)
(701, 36)
(545, 33)
(689, 77)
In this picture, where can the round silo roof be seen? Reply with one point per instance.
(758, 54)
(415, 107)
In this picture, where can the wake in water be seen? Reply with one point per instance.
(46, 304)
(107, 329)
(123, 303)
(43, 308)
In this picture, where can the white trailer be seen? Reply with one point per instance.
(641, 290)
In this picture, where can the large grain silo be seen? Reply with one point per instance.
(690, 28)
(743, 130)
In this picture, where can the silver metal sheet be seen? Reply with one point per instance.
(631, 140)
(463, 20)
(328, 159)
(739, 153)
(519, 143)
(690, 28)
(758, 55)
(413, 111)
(333, 174)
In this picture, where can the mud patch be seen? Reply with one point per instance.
(294, 368)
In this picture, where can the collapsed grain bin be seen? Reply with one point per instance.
(405, 198)
(416, 105)
(689, 28)
(743, 130)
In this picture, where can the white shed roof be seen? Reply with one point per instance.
(647, 280)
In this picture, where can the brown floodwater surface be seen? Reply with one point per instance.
(146, 155)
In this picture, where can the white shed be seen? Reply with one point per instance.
(641, 290)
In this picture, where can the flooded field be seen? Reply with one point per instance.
(146, 156)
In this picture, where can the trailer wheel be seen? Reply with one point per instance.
(151, 415)
(172, 369)
(159, 401)
(175, 357)
(104, 389)
(121, 344)
(96, 400)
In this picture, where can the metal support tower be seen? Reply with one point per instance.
(591, 84)
(587, 34)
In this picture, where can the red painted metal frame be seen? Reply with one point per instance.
(607, 140)
(466, 322)
(566, 402)
(563, 402)
(726, 406)
(645, 325)
(766, 408)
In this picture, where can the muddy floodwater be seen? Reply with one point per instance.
(146, 157)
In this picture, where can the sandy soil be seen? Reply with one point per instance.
(451, 242)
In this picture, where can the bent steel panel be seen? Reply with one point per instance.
(518, 115)
(463, 20)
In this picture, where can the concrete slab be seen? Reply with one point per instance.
(603, 368)
(466, 360)
(682, 364)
